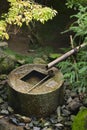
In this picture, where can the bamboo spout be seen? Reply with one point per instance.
(63, 57)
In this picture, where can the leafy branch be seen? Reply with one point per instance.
(24, 12)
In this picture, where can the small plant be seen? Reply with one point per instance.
(80, 25)
(75, 67)
(74, 70)
(74, 3)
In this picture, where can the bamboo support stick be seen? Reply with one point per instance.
(41, 81)
(63, 57)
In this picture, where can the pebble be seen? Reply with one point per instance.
(73, 94)
(1, 100)
(59, 125)
(65, 112)
(72, 117)
(60, 120)
(31, 124)
(10, 109)
(4, 112)
(47, 123)
(23, 118)
(85, 102)
(36, 128)
(69, 100)
(74, 105)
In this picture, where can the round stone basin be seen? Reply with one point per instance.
(33, 92)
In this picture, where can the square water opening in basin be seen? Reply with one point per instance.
(33, 77)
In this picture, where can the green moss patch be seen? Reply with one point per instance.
(80, 121)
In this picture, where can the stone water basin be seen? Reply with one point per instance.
(43, 99)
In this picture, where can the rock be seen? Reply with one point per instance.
(69, 100)
(14, 121)
(36, 128)
(72, 117)
(66, 112)
(47, 124)
(73, 94)
(47, 128)
(35, 122)
(67, 92)
(6, 63)
(30, 124)
(39, 61)
(5, 125)
(53, 120)
(60, 119)
(74, 105)
(26, 127)
(59, 125)
(3, 76)
(1, 100)
(4, 112)
(85, 101)
(68, 123)
(23, 118)
(3, 45)
(58, 111)
(10, 109)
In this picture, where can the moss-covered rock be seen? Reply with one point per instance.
(6, 63)
(80, 121)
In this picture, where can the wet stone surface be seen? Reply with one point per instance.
(60, 120)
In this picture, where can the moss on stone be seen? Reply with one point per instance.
(80, 121)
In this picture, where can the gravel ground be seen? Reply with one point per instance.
(60, 120)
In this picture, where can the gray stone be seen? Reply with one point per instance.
(69, 100)
(73, 94)
(68, 123)
(74, 105)
(59, 125)
(39, 61)
(4, 112)
(10, 109)
(66, 112)
(85, 101)
(36, 128)
(47, 123)
(3, 45)
(5, 125)
(1, 100)
(72, 117)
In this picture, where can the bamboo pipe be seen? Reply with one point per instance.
(63, 57)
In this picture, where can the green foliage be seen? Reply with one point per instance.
(24, 12)
(54, 55)
(80, 25)
(39, 53)
(74, 71)
(71, 3)
(75, 68)
(80, 121)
